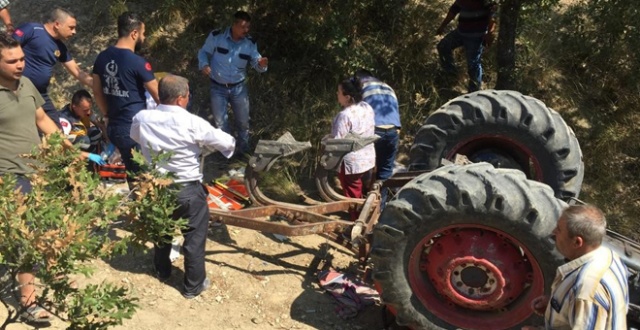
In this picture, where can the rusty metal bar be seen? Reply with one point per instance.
(299, 221)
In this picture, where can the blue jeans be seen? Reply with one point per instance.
(238, 97)
(119, 136)
(386, 150)
(473, 52)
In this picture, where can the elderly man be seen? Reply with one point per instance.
(590, 291)
(43, 45)
(171, 128)
(224, 58)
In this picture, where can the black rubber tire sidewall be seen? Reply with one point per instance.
(510, 116)
(406, 221)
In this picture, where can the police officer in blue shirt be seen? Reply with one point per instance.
(224, 58)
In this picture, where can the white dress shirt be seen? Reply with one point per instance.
(171, 128)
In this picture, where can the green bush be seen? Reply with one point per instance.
(66, 220)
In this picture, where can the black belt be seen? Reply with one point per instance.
(390, 129)
(227, 85)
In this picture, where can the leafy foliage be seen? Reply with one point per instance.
(66, 220)
(579, 57)
(149, 217)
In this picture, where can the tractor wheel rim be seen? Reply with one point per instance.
(504, 148)
(474, 276)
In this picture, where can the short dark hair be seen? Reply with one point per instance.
(79, 95)
(172, 86)
(127, 22)
(363, 73)
(351, 87)
(241, 16)
(59, 14)
(7, 42)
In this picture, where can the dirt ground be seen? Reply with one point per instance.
(258, 280)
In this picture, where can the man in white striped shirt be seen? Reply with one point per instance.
(591, 290)
(171, 128)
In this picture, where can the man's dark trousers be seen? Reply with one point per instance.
(192, 205)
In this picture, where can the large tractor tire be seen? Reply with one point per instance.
(508, 130)
(466, 247)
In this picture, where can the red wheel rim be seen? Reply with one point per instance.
(474, 276)
(522, 155)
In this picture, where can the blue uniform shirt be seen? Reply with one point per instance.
(227, 58)
(42, 52)
(123, 75)
(383, 100)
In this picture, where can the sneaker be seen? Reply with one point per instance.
(205, 285)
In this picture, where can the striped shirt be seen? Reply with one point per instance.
(383, 100)
(590, 292)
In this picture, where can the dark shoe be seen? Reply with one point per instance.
(162, 277)
(205, 285)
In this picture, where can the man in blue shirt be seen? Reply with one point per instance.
(43, 47)
(384, 102)
(224, 58)
(120, 79)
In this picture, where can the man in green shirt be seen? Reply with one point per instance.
(21, 115)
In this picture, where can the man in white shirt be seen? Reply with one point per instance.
(171, 128)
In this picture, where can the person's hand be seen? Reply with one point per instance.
(96, 159)
(9, 28)
(206, 70)
(488, 39)
(263, 62)
(539, 305)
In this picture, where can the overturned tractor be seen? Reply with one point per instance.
(458, 246)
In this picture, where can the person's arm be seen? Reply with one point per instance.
(5, 16)
(258, 62)
(340, 127)
(213, 138)
(134, 131)
(489, 37)
(451, 14)
(44, 123)
(152, 87)
(98, 94)
(205, 53)
(78, 73)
